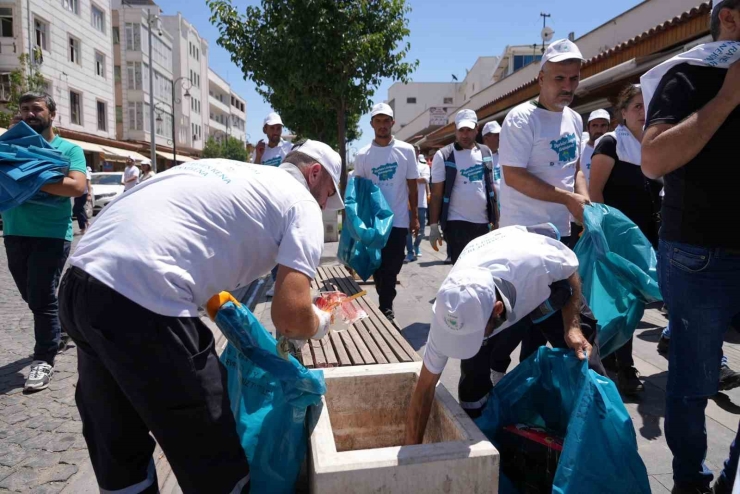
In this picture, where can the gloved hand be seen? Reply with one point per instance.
(435, 237)
(325, 321)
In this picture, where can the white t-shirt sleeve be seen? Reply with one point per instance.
(517, 140)
(434, 361)
(424, 172)
(560, 261)
(412, 170)
(438, 168)
(303, 238)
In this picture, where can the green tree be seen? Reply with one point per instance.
(231, 148)
(23, 79)
(318, 62)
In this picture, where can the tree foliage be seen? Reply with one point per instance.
(318, 62)
(230, 148)
(23, 79)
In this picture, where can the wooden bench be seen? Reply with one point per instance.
(373, 340)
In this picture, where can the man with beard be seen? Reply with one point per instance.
(38, 238)
(498, 282)
(391, 165)
(597, 126)
(274, 152)
(540, 148)
(130, 302)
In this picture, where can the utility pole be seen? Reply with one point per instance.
(544, 25)
(152, 129)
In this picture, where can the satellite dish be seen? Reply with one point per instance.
(547, 34)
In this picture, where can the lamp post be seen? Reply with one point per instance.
(153, 135)
(173, 112)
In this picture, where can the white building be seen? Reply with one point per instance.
(70, 41)
(227, 110)
(190, 70)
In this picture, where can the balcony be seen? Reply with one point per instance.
(223, 107)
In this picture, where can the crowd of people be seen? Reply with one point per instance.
(508, 200)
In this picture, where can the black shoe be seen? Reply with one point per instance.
(629, 381)
(720, 487)
(388, 313)
(663, 344)
(728, 378)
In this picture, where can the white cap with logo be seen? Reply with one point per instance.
(381, 109)
(597, 114)
(560, 51)
(332, 163)
(273, 119)
(492, 128)
(466, 119)
(461, 312)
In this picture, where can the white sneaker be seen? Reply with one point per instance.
(271, 291)
(39, 377)
(496, 376)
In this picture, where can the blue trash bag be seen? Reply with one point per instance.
(367, 226)
(269, 399)
(554, 390)
(618, 269)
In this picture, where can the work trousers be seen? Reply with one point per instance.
(458, 234)
(386, 275)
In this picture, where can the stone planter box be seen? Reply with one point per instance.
(356, 437)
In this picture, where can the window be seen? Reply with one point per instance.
(161, 53)
(117, 73)
(136, 115)
(75, 108)
(98, 19)
(42, 34)
(411, 101)
(75, 53)
(521, 61)
(133, 36)
(447, 101)
(133, 74)
(6, 23)
(162, 87)
(99, 64)
(71, 5)
(102, 120)
(116, 35)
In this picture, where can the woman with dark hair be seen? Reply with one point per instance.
(617, 181)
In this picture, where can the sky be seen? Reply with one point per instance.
(446, 37)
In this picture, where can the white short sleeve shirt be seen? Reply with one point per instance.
(389, 167)
(425, 173)
(587, 152)
(128, 173)
(275, 156)
(468, 200)
(198, 229)
(530, 262)
(548, 145)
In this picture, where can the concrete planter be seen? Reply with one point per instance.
(357, 432)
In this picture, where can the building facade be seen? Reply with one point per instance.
(227, 110)
(69, 41)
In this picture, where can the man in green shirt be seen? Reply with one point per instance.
(38, 238)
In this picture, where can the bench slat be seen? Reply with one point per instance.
(339, 349)
(318, 354)
(349, 345)
(306, 357)
(331, 358)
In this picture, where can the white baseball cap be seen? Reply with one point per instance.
(422, 159)
(560, 51)
(381, 109)
(597, 114)
(466, 118)
(461, 312)
(332, 163)
(273, 119)
(492, 128)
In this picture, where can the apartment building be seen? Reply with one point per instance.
(70, 43)
(227, 110)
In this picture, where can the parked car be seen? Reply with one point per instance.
(106, 187)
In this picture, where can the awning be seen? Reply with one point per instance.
(169, 156)
(123, 153)
(87, 146)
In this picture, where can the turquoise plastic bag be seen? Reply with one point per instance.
(618, 269)
(554, 390)
(269, 398)
(367, 226)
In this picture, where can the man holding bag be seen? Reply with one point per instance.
(130, 301)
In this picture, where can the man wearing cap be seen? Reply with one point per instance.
(130, 174)
(492, 137)
(131, 299)
(391, 165)
(464, 202)
(690, 140)
(497, 282)
(540, 147)
(276, 149)
(597, 126)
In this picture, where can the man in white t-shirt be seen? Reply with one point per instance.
(540, 148)
(130, 175)
(391, 165)
(463, 199)
(412, 245)
(131, 302)
(274, 152)
(597, 126)
(492, 138)
(494, 287)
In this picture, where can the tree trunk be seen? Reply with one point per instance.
(341, 137)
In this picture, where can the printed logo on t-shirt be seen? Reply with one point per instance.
(474, 173)
(497, 173)
(386, 172)
(273, 161)
(566, 147)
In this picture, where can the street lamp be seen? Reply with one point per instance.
(187, 85)
(150, 20)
